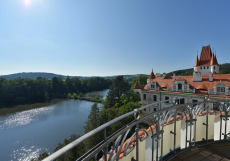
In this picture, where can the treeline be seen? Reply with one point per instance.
(29, 90)
(120, 100)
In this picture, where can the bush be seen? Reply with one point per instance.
(74, 96)
(69, 95)
(97, 97)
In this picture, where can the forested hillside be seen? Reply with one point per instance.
(26, 90)
(34, 75)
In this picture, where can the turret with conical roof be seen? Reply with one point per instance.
(207, 61)
(151, 77)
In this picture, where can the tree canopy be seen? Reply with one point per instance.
(117, 89)
(142, 80)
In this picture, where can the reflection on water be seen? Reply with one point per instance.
(25, 117)
(29, 130)
(25, 154)
(101, 94)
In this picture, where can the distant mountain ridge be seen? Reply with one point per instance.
(34, 75)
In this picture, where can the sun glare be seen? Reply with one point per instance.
(27, 2)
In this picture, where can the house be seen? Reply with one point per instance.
(205, 80)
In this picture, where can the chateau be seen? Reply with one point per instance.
(205, 80)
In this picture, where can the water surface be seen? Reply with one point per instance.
(28, 130)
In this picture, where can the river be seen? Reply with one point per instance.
(28, 130)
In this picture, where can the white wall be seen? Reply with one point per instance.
(206, 71)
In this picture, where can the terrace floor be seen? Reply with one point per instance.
(211, 152)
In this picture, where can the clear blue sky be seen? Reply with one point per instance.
(110, 37)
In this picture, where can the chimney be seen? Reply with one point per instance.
(210, 77)
(164, 75)
(174, 77)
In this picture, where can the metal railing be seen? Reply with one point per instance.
(157, 122)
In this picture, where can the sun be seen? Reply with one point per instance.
(27, 2)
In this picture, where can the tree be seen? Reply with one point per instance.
(74, 95)
(69, 95)
(72, 154)
(92, 123)
(68, 85)
(224, 72)
(117, 89)
(142, 80)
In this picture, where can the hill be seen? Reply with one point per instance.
(34, 75)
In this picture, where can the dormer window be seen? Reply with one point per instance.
(218, 89)
(222, 89)
(152, 86)
(200, 67)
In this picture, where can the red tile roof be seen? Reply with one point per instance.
(152, 76)
(137, 86)
(202, 87)
(206, 57)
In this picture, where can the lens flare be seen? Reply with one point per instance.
(27, 2)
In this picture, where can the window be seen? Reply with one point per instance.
(145, 109)
(200, 67)
(182, 101)
(155, 109)
(218, 89)
(207, 67)
(154, 97)
(222, 89)
(214, 67)
(166, 98)
(204, 67)
(152, 86)
(144, 95)
(194, 102)
(180, 86)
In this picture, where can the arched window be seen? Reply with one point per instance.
(180, 86)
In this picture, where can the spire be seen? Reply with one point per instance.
(197, 61)
(212, 60)
(216, 59)
(152, 76)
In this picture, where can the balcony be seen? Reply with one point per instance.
(174, 133)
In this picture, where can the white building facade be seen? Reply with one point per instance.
(187, 89)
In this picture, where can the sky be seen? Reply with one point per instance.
(110, 37)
